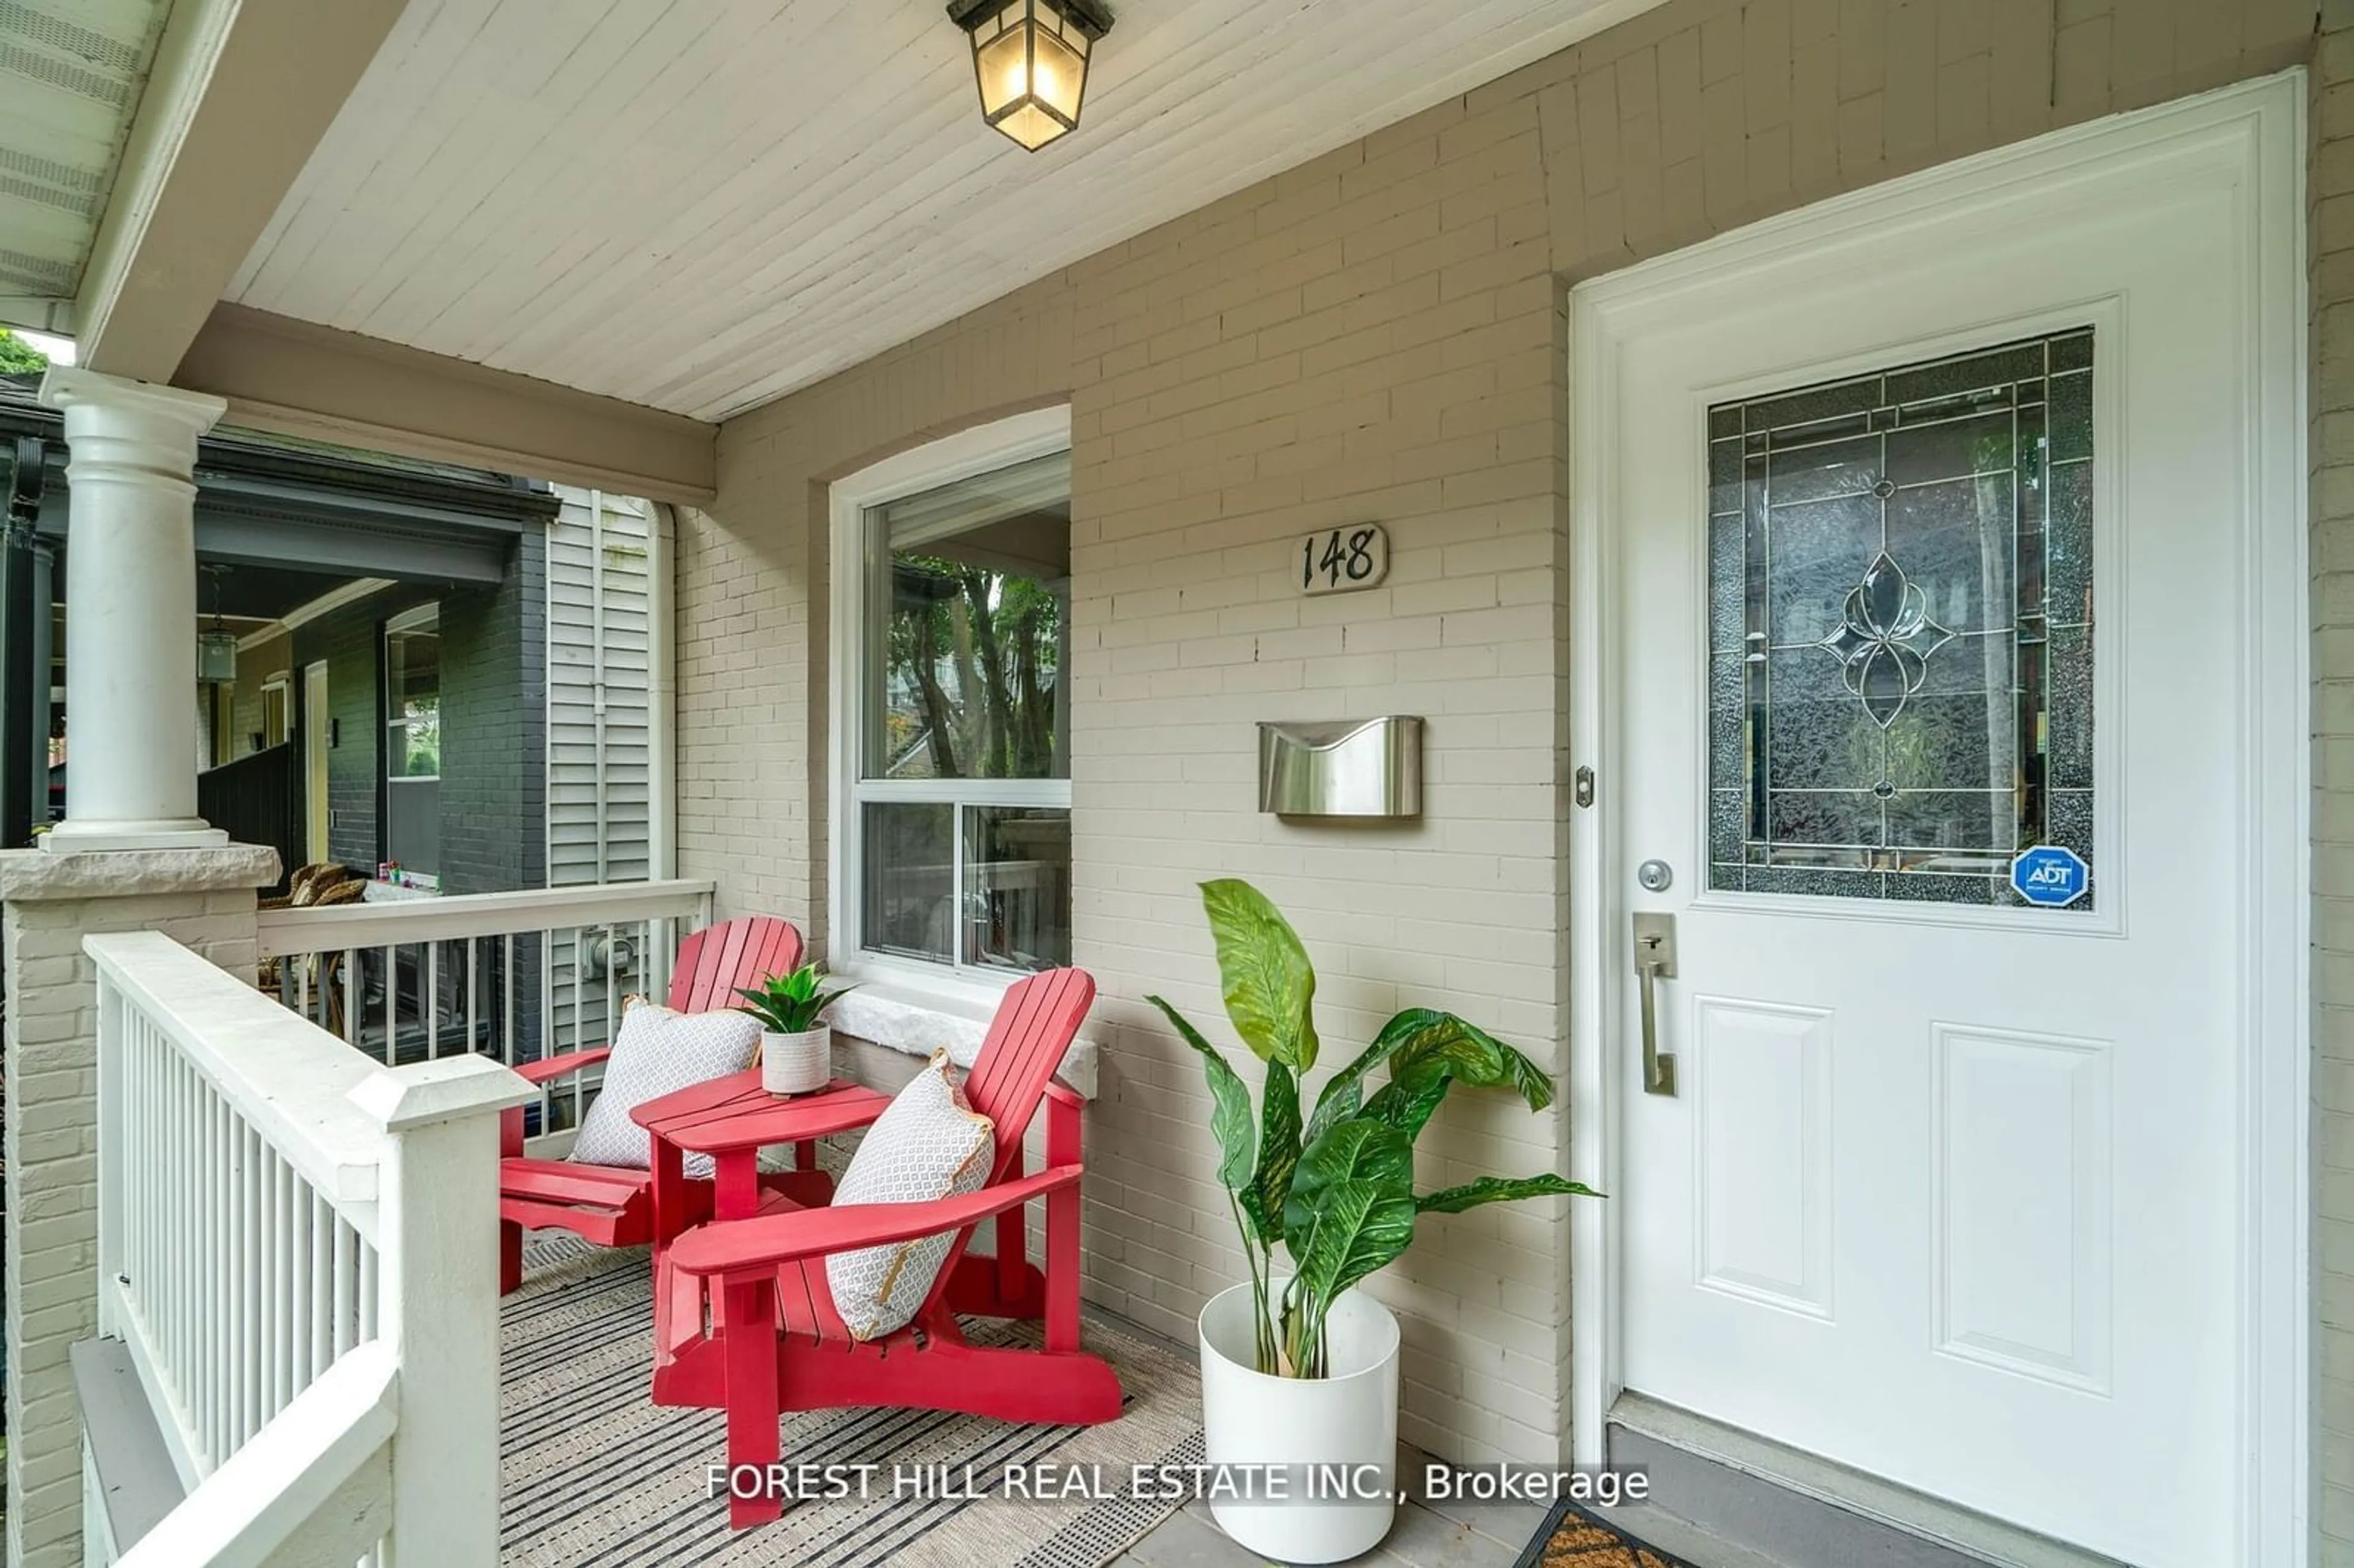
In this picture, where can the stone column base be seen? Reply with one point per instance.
(80, 838)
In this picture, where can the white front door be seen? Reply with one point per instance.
(1928, 538)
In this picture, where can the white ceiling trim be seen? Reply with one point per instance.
(188, 52)
(238, 95)
(334, 598)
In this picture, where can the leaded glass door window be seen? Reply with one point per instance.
(1901, 628)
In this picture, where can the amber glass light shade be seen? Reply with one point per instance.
(1030, 58)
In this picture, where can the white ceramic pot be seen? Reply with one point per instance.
(796, 1064)
(1334, 1437)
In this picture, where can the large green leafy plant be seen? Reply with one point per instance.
(1336, 1186)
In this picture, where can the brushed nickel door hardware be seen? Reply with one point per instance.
(1655, 960)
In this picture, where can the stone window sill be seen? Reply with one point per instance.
(919, 1020)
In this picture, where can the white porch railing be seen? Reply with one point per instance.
(512, 976)
(298, 1249)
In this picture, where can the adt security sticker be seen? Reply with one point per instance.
(2051, 875)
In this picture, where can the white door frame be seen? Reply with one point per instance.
(2250, 136)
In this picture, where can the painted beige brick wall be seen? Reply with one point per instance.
(1376, 334)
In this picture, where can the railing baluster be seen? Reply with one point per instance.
(368, 1303)
(216, 1158)
(240, 1309)
(348, 1269)
(274, 1263)
(351, 996)
(256, 1348)
(391, 1004)
(506, 1001)
(138, 1256)
(432, 1003)
(179, 1336)
(323, 1285)
(134, 1228)
(227, 1133)
(252, 1349)
(580, 1040)
(287, 1272)
(298, 1283)
(179, 1307)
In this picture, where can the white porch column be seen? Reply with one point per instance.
(131, 613)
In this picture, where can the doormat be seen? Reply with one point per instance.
(1571, 1538)
(592, 1471)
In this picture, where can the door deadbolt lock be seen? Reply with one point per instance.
(1656, 876)
(1655, 960)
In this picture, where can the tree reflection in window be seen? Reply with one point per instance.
(964, 773)
(974, 661)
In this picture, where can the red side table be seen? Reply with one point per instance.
(731, 1120)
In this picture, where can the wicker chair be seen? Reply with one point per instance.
(314, 886)
(303, 887)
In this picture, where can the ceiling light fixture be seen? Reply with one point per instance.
(216, 649)
(1030, 58)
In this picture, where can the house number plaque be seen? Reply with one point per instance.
(1338, 560)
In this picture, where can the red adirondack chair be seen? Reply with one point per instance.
(774, 1342)
(613, 1205)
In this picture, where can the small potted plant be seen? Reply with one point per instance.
(1300, 1370)
(796, 1049)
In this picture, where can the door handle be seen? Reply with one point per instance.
(1655, 960)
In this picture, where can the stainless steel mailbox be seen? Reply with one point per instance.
(1345, 767)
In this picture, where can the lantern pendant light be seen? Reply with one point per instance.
(216, 649)
(1030, 58)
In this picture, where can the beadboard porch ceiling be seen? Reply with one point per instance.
(701, 206)
(70, 77)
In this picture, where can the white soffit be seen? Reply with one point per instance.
(72, 72)
(703, 206)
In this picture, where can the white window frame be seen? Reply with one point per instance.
(969, 990)
(406, 620)
(282, 683)
(410, 620)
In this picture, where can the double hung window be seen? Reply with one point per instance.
(957, 846)
(412, 739)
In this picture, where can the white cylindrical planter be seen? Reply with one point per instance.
(797, 1064)
(1335, 1438)
(130, 629)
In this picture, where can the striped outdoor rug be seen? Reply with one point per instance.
(592, 1472)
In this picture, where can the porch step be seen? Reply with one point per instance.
(1722, 1497)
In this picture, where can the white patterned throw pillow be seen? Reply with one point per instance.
(657, 1052)
(928, 1144)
